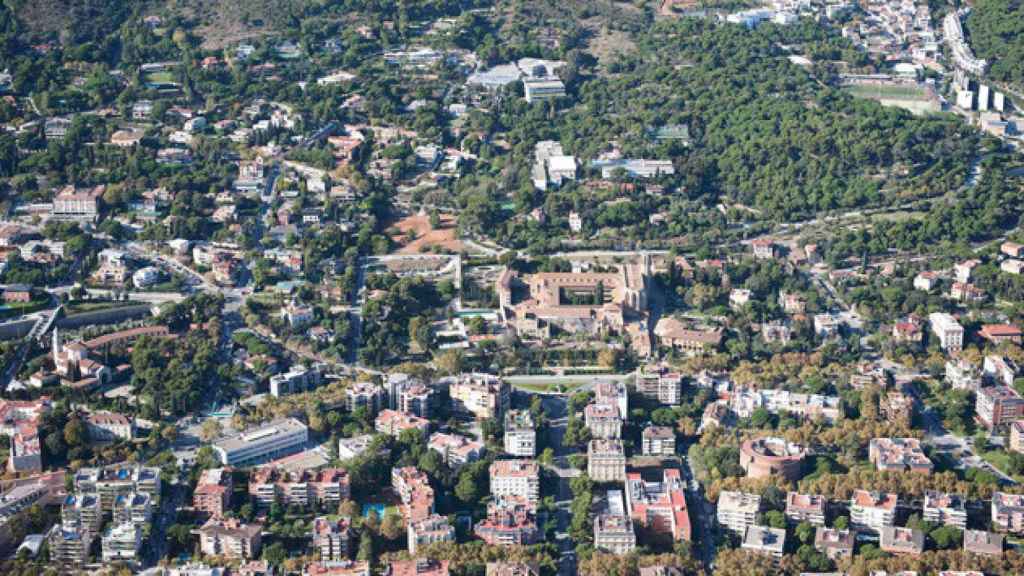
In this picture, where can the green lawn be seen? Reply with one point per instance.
(889, 92)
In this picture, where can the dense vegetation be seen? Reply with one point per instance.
(997, 33)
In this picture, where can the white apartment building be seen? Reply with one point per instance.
(516, 478)
(613, 530)
(945, 509)
(107, 426)
(333, 539)
(737, 510)
(606, 460)
(949, 332)
(122, 543)
(272, 440)
(872, 510)
(520, 435)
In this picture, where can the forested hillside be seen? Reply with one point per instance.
(997, 33)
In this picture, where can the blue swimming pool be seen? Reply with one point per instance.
(378, 508)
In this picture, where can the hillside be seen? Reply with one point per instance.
(996, 29)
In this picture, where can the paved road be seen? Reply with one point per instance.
(557, 413)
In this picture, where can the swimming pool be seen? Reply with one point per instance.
(378, 508)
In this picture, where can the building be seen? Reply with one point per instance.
(737, 510)
(393, 423)
(606, 460)
(658, 441)
(297, 379)
(806, 508)
(999, 333)
(998, 405)
(481, 395)
(659, 506)
(872, 510)
(416, 399)
(76, 205)
(355, 446)
(230, 538)
(833, 543)
(744, 402)
(109, 426)
(899, 454)
(1000, 369)
(121, 543)
(763, 248)
(895, 406)
(273, 440)
(213, 491)
(429, 530)
(1017, 436)
(678, 336)
(536, 89)
(332, 538)
(603, 420)
(659, 384)
(949, 332)
(896, 540)
(510, 521)
(455, 450)
(69, 548)
(82, 511)
(516, 478)
(925, 281)
(962, 375)
(983, 543)
(117, 480)
(414, 490)
(417, 567)
(512, 569)
(1008, 512)
(520, 435)
(338, 568)
(764, 540)
(764, 457)
(365, 395)
(136, 508)
(304, 488)
(945, 509)
(1012, 266)
(613, 529)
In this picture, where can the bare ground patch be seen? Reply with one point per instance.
(416, 236)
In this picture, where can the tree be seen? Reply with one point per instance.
(74, 432)
(391, 528)
(449, 362)
(775, 519)
(547, 457)
(466, 490)
(210, 430)
(275, 554)
(366, 548)
(608, 358)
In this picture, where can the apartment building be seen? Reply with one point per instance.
(872, 510)
(456, 450)
(413, 488)
(109, 426)
(1008, 512)
(834, 543)
(429, 530)
(516, 478)
(135, 508)
(480, 395)
(511, 520)
(945, 509)
(393, 423)
(658, 441)
(613, 392)
(230, 538)
(417, 567)
(603, 420)
(737, 510)
(806, 508)
(365, 395)
(417, 400)
(520, 434)
(69, 548)
(998, 405)
(121, 543)
(744, 402)
(273, 440)
(659, 506)
(298, 378)
(1017, 436)
(213, 491)
(82, 511)
(764, 540)
(613, 529)
(660, 384)
(897, 540)
(949, 332)
(304, 488)
(899, 454)
(113, 481)
(606, 460)
(332, 538)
